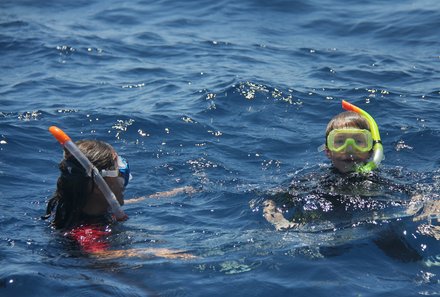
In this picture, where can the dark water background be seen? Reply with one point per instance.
(231, 97)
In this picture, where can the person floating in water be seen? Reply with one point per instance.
(353, 145)
(352, 193)
(82, 209)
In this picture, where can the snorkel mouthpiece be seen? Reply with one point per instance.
(378, 155)
(67, 143)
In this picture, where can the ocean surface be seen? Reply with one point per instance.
(231, 98)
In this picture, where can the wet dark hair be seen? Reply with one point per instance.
(74, 186)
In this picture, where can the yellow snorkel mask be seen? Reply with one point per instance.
(376, 143)
(340, 140)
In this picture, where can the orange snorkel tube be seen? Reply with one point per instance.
(67, 143)
(378, 155)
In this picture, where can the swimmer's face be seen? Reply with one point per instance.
(117, 184)
(96, 202)
(348, 147)
(347, 161)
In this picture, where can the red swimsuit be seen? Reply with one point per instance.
(91, 238)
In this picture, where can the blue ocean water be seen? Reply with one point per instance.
(232, 98)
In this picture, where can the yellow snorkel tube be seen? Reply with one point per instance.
(378, 155)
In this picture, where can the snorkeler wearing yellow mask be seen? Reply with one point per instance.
(352, 144)
(353, 141)
(353, 195)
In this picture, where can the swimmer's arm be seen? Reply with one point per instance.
(173, 192)
(144, 253)
(274, 216)
(423, 208)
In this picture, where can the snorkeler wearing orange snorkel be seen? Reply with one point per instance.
(89, 196)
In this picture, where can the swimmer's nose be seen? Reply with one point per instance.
(350, 149)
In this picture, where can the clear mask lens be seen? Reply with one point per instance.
(342, 140)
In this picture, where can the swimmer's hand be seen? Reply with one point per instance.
(276, 218)
(121, 219)
(429, 210)
(429, 230)
(187, 190)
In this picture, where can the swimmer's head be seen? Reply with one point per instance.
(348, 141)
(76, 193)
